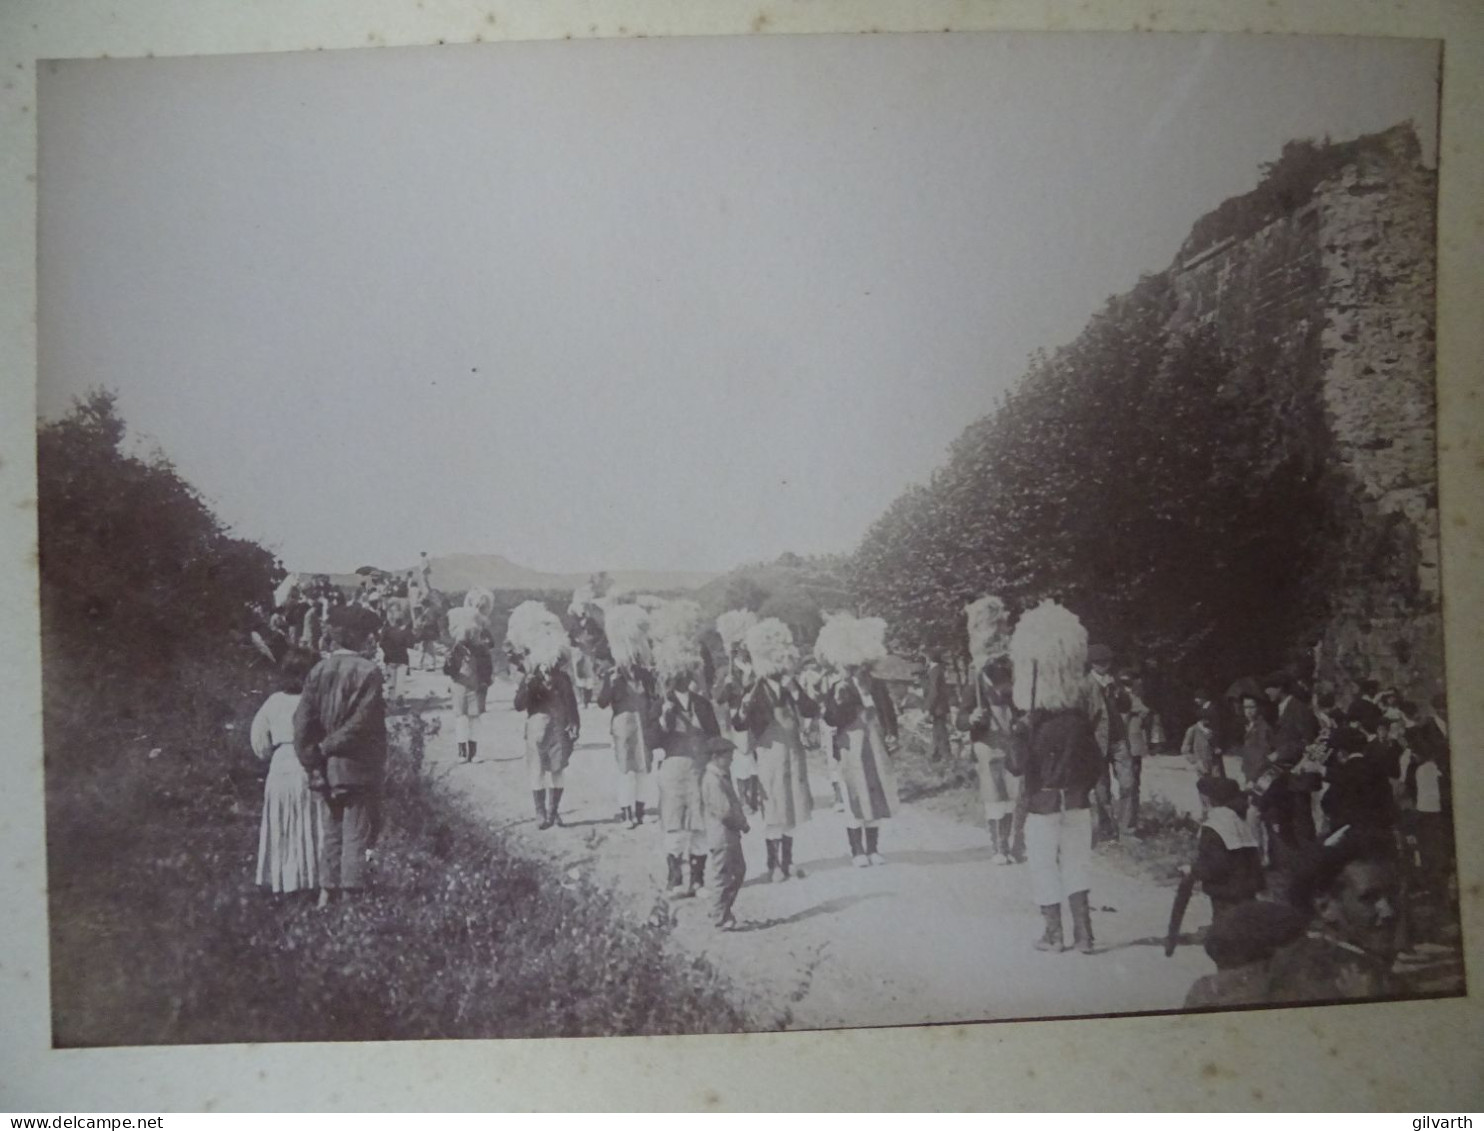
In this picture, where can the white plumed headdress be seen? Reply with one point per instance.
(771, 646)
(675, 629)
(536, 633)
(846, 641)
(481, 599)
(732, 627)
(1049, 649)
(627, 629)
(989, 629)
(463, 621)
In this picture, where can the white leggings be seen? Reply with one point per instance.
(631, 786)
(465, 728)
(1058, 847)
(546, 780)
(685, 843)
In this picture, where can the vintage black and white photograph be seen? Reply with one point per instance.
(670, 536)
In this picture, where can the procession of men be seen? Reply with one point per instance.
(1317, 844)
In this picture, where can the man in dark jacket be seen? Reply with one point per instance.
(1107, 706)
(340, 737)
(1295, 729)
(1057, 755)
(936, 704)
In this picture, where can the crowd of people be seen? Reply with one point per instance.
(1320, 825)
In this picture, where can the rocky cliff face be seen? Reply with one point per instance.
(1322, 284)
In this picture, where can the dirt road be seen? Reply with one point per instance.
(939, 934)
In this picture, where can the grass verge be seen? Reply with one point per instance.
(159, 935)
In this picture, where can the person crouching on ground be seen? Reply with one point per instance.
(1228, 859)
(471, 667)
(340, 737)
(1057, 755)
(687, 724)
(725, 824)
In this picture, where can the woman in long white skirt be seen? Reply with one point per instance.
(289, 836)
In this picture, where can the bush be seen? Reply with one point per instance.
(135, 568)
(159, 935)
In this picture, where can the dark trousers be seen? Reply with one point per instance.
(348, 828)
(1129, 771)
(728, 870)
(1017, 825)
(1432, 830)
(942, 748)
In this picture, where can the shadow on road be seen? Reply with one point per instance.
(1192, 938)
(911, 858)
(831, 907)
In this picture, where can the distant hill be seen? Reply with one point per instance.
(457, 572)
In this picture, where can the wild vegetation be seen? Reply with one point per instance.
(158, 934)
(1139, 475)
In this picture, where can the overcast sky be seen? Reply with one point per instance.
(628, 304)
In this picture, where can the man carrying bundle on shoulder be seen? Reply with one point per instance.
(860, 710)
(539, 643)
(987, 712)
(730, 687)
(1056, 752)
(630, 689)
(773, 712)
(687, 724)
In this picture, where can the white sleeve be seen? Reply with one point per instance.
(261, 739)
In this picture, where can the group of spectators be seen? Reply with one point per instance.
(1346, 810)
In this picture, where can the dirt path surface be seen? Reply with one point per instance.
(939, 934)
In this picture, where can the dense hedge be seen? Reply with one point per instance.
(1175, 500)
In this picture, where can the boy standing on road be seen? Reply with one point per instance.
(725, 825)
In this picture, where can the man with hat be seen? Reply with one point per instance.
(1108, 705)
(340, 737)
(936, 703)
(1350, 888)
(1295, 729)
(725, 824)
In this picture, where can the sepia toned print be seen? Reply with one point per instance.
(528, 626)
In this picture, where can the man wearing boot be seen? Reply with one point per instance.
(987, 714)
(471, 668)
(1056, 752)
(687, 723)
(340, 739)
(1106, 705)
(725, 825)
(631, 692)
